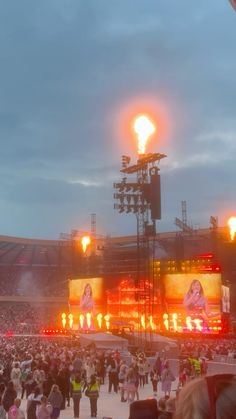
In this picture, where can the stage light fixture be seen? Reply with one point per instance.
(128, 197)
(125, 161)
(136, 199)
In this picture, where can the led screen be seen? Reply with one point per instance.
(177, 303)
(86, 295)
(193, 302)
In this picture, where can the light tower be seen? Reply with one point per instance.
(139, 192)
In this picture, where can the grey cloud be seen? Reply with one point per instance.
(44, 191)
(65, 67)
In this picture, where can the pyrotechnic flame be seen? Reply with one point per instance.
(85, 241)
(144, 128)
(99, 320)
(189, 323)
(142, 321)
(174, 320)
(63, 320)
(71, 320)
(88, 318)
(152, 325)
(232, 227)
(198, 324)
(166, 321)
(81, 321)
(107, 320)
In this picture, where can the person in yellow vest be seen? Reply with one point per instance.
(197, 367)
(92, 392)
(76, 392)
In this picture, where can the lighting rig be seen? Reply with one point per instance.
(141, 196)
(139, 192)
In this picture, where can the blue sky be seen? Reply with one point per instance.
(72, 71)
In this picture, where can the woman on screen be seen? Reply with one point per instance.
(87, 301)
(87, 308)
(195, 302)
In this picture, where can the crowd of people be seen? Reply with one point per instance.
(52, 374)
(25, 318)
(207, 348)
(41, 281)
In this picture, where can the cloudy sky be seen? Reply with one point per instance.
(73, 74)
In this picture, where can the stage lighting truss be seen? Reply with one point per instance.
(124, 186)
(128, 208)
(130, 197)
(142, 163)
(134, 196)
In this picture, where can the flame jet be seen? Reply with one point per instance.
(85, 241)
(144, 128)
(232, 227)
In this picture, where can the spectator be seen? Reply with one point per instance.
(2, 410)
(169, 409)
(113, 375)
(154, 379)
(56, 399)
(44, 410)
(167, 377)
(16, 377)
(34, 399)
(121, 377)
(93, 393)
(29, 385)
(130, 384)
(9, 396)
(76, 392)
(141, 372)
(208, 398)
(15, 412)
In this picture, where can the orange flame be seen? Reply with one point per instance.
(232, 226)
(166, 321)
(85, 241)
(81, 321)
(63, 320)
(107, 320)
(152, 325)
(198, 324)
(71, 320)
(142, 321)
(189, 323)
(174, 320)
(88, 318)
(144, 128)
(99, 320)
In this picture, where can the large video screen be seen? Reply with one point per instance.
(181, 303)
(193, 302)
(86, 295)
